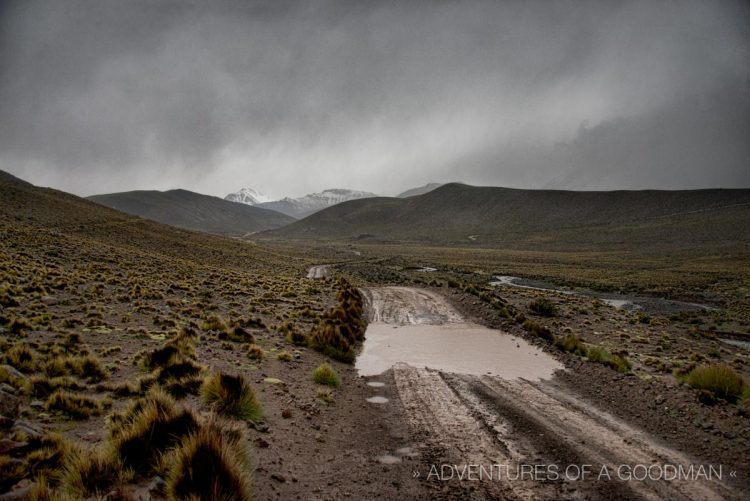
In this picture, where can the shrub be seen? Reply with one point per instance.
(75, 405)
(284, 356)
(232, 395)
(543, 307)
(718, 380)
(211, 464)
(325, 374)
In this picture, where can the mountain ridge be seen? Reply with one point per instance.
(190, 210)
(467, 215)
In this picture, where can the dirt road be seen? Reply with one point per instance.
(318, 271)
(488, 437)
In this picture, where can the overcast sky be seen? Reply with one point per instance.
(293, 97)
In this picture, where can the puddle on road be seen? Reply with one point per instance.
(736, 342)
(377, 400)
(460, 348)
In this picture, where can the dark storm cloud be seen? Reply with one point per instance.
(289, 97)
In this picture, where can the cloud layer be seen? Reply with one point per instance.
(293, 97)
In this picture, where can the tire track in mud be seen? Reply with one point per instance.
(485, 420)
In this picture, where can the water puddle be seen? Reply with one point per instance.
(653, 305)
(460, 348)
(427, 269)
(397, 457)
(525, 284)
(377, 400)
(736, 342)
(622, 304)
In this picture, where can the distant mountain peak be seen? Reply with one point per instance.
(300, 206)
(248, 196)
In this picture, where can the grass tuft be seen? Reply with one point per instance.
(211, 464)
(75, 405)
(232, 395)
(717, 381)
(325, 374)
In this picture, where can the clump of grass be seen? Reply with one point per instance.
(47, 453)
(42, 386)
(75, 405)
(538, 330)
(89, 368)
(149, 429)
(325, 374)
(341, 327)
(601, 355)
(215, 323)
(232, 395)
(327, 339)
(255, 352)
(210, 464)
(296, 337)
(41, 491)
(12, 471)
(572, 344)
(284, 356)
(325, 395)
(717, 381)
(160, 357)
(92, 473)
(543, 307)
(237, 334)
(21, 357)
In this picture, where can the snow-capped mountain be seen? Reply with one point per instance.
(248, 196)
(309, 204)
(298, 207)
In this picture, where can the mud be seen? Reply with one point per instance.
(505, 425)
(318, 271)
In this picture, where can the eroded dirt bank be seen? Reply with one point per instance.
(519, 438)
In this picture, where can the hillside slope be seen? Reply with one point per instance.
(467, 215)
(194, 211)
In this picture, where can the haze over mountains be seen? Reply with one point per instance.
(195, 211)
(298, 207)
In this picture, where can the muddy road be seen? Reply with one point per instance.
(494, 434)
(318, 271)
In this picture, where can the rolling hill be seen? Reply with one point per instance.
(194, 211)
(563, 220)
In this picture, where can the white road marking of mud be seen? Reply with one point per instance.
(318, 271)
